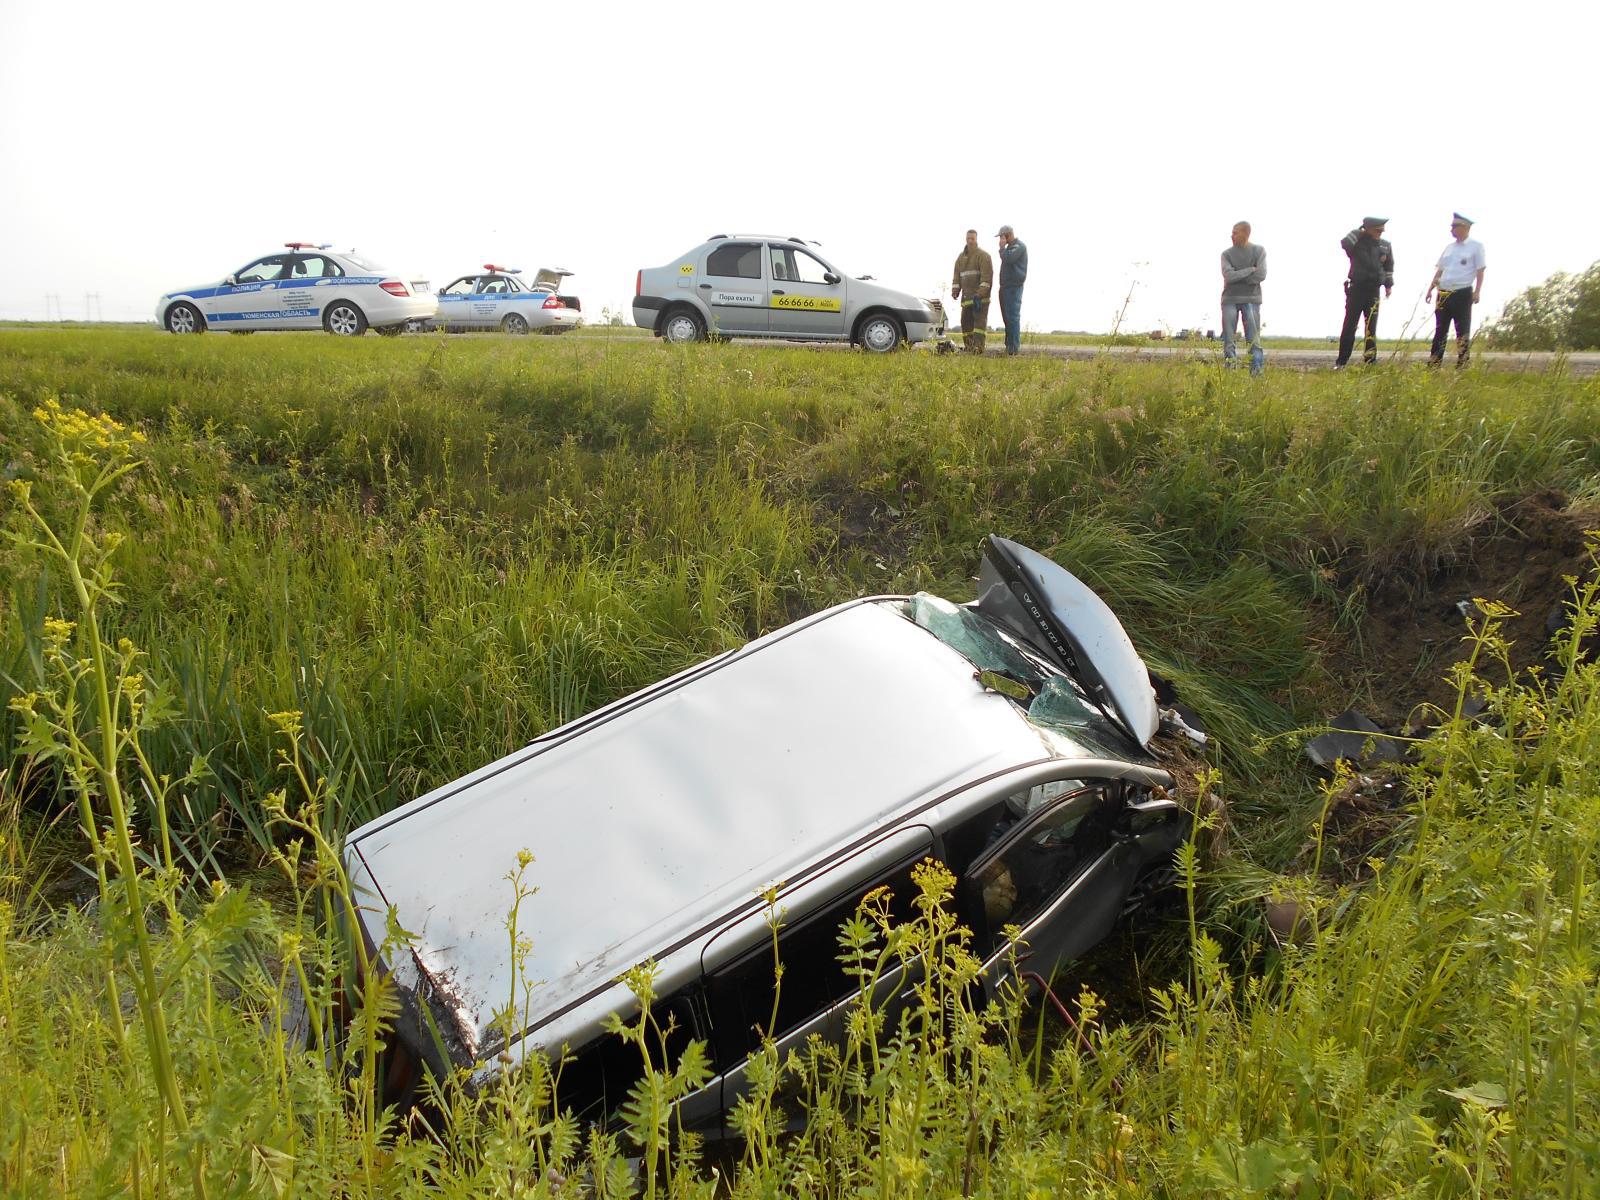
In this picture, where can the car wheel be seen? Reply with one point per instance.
(514, 323)
(390, 330)
(185, 318)
(682, 327)
(344, 319)
(879, 334)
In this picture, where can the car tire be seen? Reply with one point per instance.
(514, 323)
(344, 319)
(682, 326)
(879, 334)
(389, 330)
(184, 318)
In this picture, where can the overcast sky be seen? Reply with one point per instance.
(147, 147)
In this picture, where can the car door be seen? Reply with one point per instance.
(816, 991)
(1058, 867)
(455, 301)
(249, 301)
(733, 286)
(807, 297)
(488, 303)
(309, 285)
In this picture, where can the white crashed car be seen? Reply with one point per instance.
(1011, 738)
(500, 298)
(302, 287)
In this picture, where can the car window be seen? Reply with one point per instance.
(740, 260)
(740, 994)
(314, 266)
(807, 268)
(493, 287)
(461, 287)
(1036, 857)
(595, 1082)
(263, 269)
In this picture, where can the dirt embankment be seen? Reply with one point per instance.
(1413, 630)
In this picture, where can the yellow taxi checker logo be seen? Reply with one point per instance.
(686, 269)
(808, 303)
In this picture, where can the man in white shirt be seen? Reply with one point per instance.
(1459, 282)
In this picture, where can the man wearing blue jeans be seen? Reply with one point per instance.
(1013, 272)
(1244, 266)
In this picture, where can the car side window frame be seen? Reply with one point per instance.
(733, 1039)
(283, 265)
(795, 274)
(600, 1074)
(1098, 818)
(743, 248)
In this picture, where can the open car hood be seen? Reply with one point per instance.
(1058, 615)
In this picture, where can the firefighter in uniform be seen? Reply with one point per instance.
(974, 275)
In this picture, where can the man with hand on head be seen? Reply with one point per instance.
(1459, 281)
(1013, 272)
(1371, 267)
(1244, 266)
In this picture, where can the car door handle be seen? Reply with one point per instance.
(705, 287)
(779, 292)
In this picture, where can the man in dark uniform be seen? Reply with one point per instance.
(1371, 267)
(970, 283)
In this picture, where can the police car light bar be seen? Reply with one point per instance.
(307, 245)
(502, 270)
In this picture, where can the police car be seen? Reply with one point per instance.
(501, 299)
(303, 287)
(762, 286)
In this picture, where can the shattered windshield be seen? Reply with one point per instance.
(1055, 701)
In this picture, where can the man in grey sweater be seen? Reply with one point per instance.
(1244, 266)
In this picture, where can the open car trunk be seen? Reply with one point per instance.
(549, 279)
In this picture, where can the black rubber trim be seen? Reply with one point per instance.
(651, 302)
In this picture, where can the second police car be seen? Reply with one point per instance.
(501, 299)
(303, 287)
(762, 286)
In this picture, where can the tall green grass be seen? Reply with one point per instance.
(438, 548)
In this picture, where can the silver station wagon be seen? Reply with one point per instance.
(1008, 738)
(760, 286)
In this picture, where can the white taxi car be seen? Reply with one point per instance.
(302, 287)
(776, 287)
(501, 299)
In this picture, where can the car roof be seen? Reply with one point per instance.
(660, 814)
(760, 237)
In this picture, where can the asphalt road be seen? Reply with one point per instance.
(1582, 363)
(1533, 362)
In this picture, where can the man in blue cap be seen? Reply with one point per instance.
(1013, 273)
(1371, 267)
(1459, 281)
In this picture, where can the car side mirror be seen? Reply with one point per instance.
(232, 281)
(830, 277)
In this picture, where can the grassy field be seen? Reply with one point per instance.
(429, 550)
